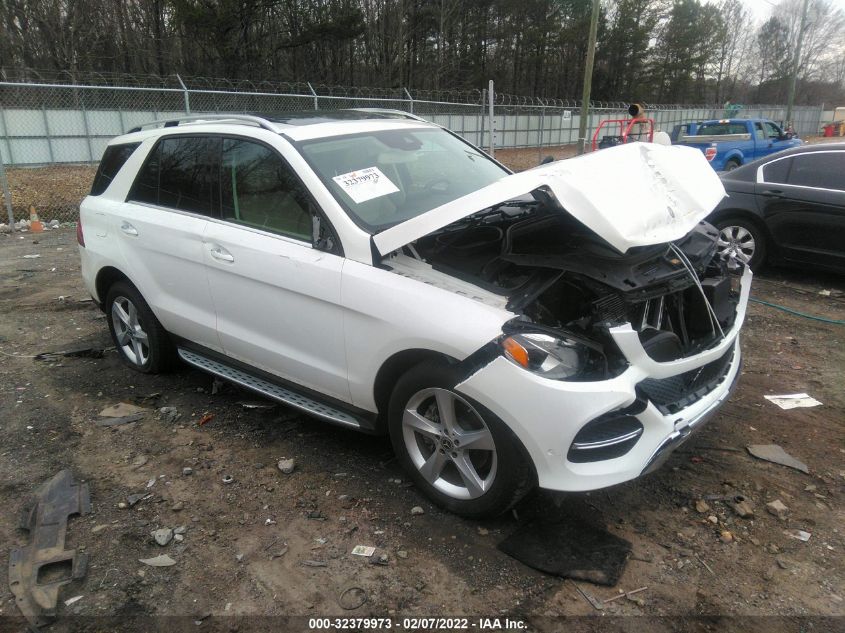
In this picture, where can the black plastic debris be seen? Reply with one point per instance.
(570, 548)
(38, 570)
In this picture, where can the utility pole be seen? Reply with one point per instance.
(588, 76)
(796, 62)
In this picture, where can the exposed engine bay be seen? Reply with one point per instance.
(554, 272)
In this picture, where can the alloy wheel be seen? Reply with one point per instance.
(129, 331)
(449, 443)
(736, 245)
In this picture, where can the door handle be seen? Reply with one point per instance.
(129, 229)
(221, 254)
(772, 193)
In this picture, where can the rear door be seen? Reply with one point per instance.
(802, 198)
(160, 228)
(277, 297)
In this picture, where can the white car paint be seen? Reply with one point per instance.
(631, 195)
(278, 305)
(386, 313)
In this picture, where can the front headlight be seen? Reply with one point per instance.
(556, 358)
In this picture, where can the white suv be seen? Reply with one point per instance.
(566, 326)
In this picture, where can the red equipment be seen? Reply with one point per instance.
(638, 128)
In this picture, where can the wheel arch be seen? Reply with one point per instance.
(744, 214)
(393, 368)
(106, 278)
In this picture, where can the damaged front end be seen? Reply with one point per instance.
(618, 347)
(569, 289)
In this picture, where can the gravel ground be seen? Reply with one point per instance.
(247, 542)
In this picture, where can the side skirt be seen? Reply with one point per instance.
(275, 389)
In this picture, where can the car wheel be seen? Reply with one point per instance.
(741, 241)
(139, 338)
(731, 165)
(457, 452)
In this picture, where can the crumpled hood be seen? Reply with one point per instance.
(631, 195)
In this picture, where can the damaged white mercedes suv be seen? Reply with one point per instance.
(566, 327)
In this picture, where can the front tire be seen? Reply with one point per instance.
(459, 454)
(141, 341)
(741, 241)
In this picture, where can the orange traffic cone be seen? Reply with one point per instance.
(34, 223)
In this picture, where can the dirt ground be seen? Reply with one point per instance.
(246, 543)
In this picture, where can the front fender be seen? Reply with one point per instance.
(386, 313)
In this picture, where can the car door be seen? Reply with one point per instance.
(277, 297)
(802, 198)
(775, 140)
(160, 230)
(761, 141)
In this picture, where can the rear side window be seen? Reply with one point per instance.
(113, 159)
(778, 171)
(820, 169)
(709, 129)
(180, 173)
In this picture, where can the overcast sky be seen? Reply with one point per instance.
(762, 8)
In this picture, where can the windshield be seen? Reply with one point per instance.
(386, 177)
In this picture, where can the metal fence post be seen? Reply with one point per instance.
(186, 94)
(410, 100)
(87, 127)
(7, 134)
(316, 105)
(47, 133)
(7, 195)
(480, 118)
(491, 97)
(540, 139)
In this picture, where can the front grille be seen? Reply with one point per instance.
(672, 394)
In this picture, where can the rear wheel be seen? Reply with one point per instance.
(458, 453)
(731, 165)
(140, 339)
(741, 241)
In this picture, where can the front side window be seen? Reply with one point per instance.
(772, 131)
(822, 170)
(385, 177)
(180, 173)
(759, 132)
(258, 189)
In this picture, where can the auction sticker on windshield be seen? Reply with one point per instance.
(365, 184)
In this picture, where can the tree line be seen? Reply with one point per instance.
(661, 51)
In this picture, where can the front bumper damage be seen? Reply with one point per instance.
(547, 415)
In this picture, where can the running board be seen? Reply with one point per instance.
(270, 390)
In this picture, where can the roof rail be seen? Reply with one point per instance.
(245, 119)
(398, 113)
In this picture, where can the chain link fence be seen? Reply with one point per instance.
(54, 129)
